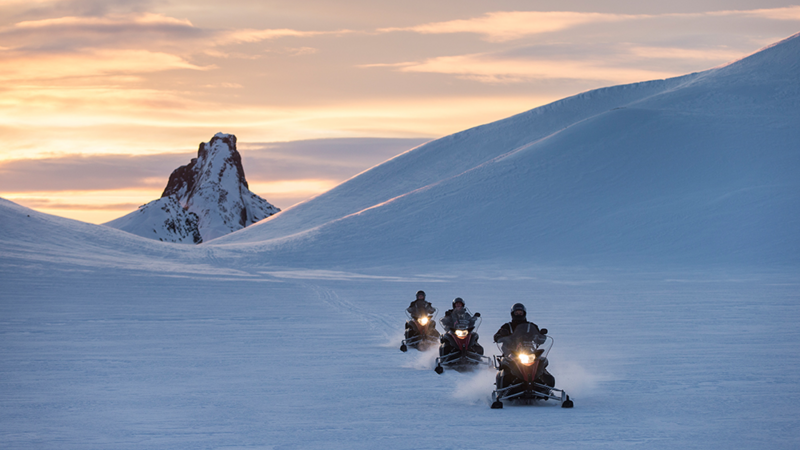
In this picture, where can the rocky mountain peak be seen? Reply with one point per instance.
(212, 188)
(183, 180)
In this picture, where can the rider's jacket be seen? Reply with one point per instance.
(420, 305)
(509, 328)
(449, 319)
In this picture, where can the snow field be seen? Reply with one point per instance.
(114, 359)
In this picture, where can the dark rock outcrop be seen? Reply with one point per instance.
(210, 194)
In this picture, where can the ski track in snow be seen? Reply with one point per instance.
(377, 323)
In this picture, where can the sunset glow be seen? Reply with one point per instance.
(85, 205)
(82, 80)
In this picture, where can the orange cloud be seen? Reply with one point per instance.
(506, 26)
(492, 69)
(254, 35)
(713, 54)
(89, 63)
(137, 30)
(503, 26)
(787, 13)
(110, 20)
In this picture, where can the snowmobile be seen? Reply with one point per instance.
(459, 348)
(522, 376)
(420, 330)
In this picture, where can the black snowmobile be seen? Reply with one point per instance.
(420, 331)
(522, 376)
(459, 348)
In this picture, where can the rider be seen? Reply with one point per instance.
(519, 317)
(457, 312)
(460, 313)
(416, 309)
(420, 304)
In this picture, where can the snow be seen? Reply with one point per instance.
(221, 361)
(164, 219)
(651, 228)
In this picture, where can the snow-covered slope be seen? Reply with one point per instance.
(164, 219)
(203, 200)
(699, 169)
(30, 239)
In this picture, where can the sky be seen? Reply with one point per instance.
(101, 99)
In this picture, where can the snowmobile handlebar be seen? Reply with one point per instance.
(421, 312)
(464, 321)
(538, 344)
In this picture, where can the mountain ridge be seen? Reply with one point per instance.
(205, 199)
(581, 180)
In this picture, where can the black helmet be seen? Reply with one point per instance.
(519, 307)
(420, 293)
(458, 300)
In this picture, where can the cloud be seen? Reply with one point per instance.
(509, 25)
(157, 33)
(491, 68)
(120, 49)
(708, 54)
(89, 173)
(787, 13)
(345, 153)
(503, 26)
(310, 166)
(224, 86)
(130, 30)
(48, 200)
(111, 22)
(255, 35)
(301, 51)
(38, 8)
(87, 64)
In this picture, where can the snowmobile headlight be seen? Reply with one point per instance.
(423, 320)
(462, 333)
(526, 359)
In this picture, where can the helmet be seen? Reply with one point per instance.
(519, 307)
(420, 293)
(458, 300)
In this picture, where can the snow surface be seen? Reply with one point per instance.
(657, 242)
(164, 219)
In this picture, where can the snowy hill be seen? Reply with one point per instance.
(205, 199)
(699, 169)
(32, 240)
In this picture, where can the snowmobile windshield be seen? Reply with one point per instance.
(417, 312)
(526, 339)
(462, 320)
